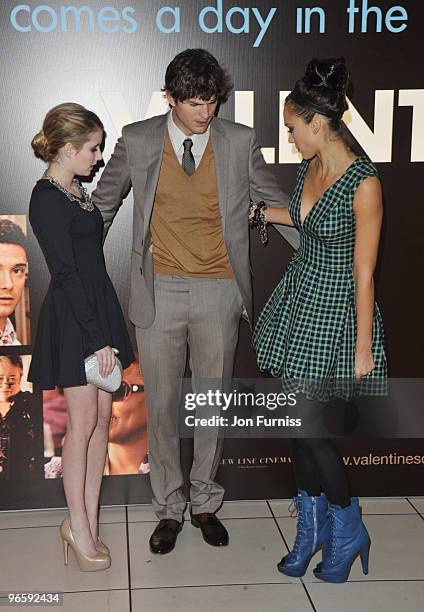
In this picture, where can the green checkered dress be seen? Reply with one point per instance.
(306, 332)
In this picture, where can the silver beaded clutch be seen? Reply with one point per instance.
(112, 382)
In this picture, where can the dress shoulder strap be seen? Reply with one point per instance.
(303, 166)
(362, 169)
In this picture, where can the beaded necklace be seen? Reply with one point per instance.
(86, 204)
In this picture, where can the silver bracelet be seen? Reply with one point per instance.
(259, 220)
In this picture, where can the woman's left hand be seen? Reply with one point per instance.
(364, 363)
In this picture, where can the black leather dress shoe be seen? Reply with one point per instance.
(213, 531)
(163, 538)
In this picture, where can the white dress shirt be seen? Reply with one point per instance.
(177, 137)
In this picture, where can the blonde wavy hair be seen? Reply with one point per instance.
(67, 122)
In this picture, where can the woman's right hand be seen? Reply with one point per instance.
(364, 363)
(106, 359)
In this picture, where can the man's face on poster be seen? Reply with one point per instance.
(129, 416)
(13, 273)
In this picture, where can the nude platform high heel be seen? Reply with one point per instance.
(102, 548)
(86, 563)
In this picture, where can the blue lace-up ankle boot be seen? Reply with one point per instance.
(312, 532)
(347, 539)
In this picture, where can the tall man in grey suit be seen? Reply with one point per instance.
(193, 176)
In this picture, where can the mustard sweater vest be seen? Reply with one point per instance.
(186, 220)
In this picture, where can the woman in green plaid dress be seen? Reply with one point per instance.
(306, 333)
(321, 330)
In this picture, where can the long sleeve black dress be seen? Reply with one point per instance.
(81, 313)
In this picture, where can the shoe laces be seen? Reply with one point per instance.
(333, 538)
(293, 509)
(297, 511)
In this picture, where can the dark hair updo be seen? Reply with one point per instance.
(323, 90)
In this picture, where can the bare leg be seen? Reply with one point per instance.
(82, 420)
(96, 458)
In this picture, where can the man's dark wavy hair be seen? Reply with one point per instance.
(10, 233)
(195, 73)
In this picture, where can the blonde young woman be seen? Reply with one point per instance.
(80, 316)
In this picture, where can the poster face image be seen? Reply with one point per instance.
(127, 447)
(14, 297)
(20, 424)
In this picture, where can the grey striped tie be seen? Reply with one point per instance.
(189, 165)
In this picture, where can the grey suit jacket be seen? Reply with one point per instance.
(242, 175)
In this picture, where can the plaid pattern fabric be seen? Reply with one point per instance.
(306, 332)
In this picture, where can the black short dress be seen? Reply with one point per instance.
(81, 313)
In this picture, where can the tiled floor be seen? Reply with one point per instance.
(197, 577)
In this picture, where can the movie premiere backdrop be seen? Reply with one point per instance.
(111, 57)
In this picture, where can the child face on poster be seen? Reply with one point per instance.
(10, 377)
